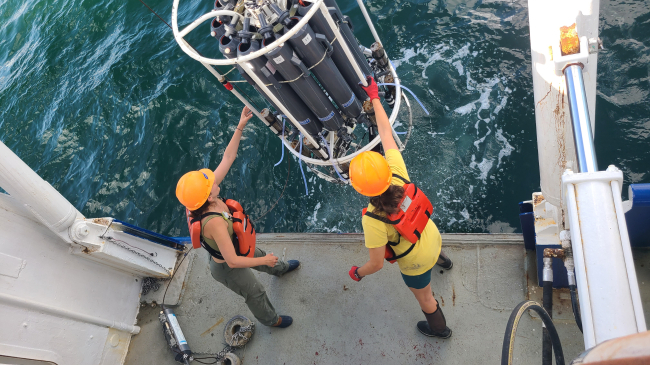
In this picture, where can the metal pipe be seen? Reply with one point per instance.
(36, 194)
(64, 313)
(547, 302)
(579, 110)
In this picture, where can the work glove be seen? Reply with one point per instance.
(372, 90)
(353, 273)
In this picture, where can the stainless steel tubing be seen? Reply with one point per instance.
(582, 134)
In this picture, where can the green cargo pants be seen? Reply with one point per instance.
(244, 283)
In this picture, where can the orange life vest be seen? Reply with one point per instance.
(244, 239)
(410, 220)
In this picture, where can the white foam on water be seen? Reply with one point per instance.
(313, 219)
(461, 53)
(501, 105)
(459, 67)
(489, 95)
(482, 139)
(484, 167)
(465, 109)
(507, 148)
(484, 100)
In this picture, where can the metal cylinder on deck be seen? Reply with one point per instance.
(312, 49)
(320, 25)
(172, 328)
(582, 134)
(281, 91)
(296, 73)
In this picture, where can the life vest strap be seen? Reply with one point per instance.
(401, 178)
(205, 216)
(382, 219)
(403, 253)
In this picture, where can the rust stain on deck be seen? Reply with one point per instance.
(453, 296)
(220, 321)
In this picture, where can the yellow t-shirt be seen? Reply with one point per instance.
(377, 234)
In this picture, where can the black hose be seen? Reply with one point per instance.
(511, 330)
(574, 305)
(547, 347)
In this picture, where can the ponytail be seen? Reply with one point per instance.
(388, 201)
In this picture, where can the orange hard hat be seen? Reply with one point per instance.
(194, 188)
(370, 174)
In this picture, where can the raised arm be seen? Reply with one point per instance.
(231, 151)
(383, 125)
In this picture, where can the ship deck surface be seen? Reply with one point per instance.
(339, 321)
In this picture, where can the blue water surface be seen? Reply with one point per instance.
(97, 97)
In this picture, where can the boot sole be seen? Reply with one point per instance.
(447, 268)
(432, 335)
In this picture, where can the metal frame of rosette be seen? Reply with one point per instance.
(242, 61)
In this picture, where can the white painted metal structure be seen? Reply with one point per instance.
(68, 293)
(241, 61)
(610, 302)
(555, 145)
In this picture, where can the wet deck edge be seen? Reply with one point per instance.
(356, 238)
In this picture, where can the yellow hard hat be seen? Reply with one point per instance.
(370, 174)
(194, 188)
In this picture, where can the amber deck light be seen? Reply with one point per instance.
(569, 42)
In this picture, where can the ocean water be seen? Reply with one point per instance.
(97, 97)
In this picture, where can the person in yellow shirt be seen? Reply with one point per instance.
(382, 180)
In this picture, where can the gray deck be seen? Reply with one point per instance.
(339, 321)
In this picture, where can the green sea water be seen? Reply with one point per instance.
(98, 99)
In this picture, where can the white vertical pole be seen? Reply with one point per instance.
(36, 194)
(581, 278)
(343, 44)
(627, 255)
(369, 21)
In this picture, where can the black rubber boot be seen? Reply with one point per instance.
(293, 265)
(435, 325)
(283, 322)
(444, 261)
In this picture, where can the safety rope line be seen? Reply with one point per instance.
(229, 71)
